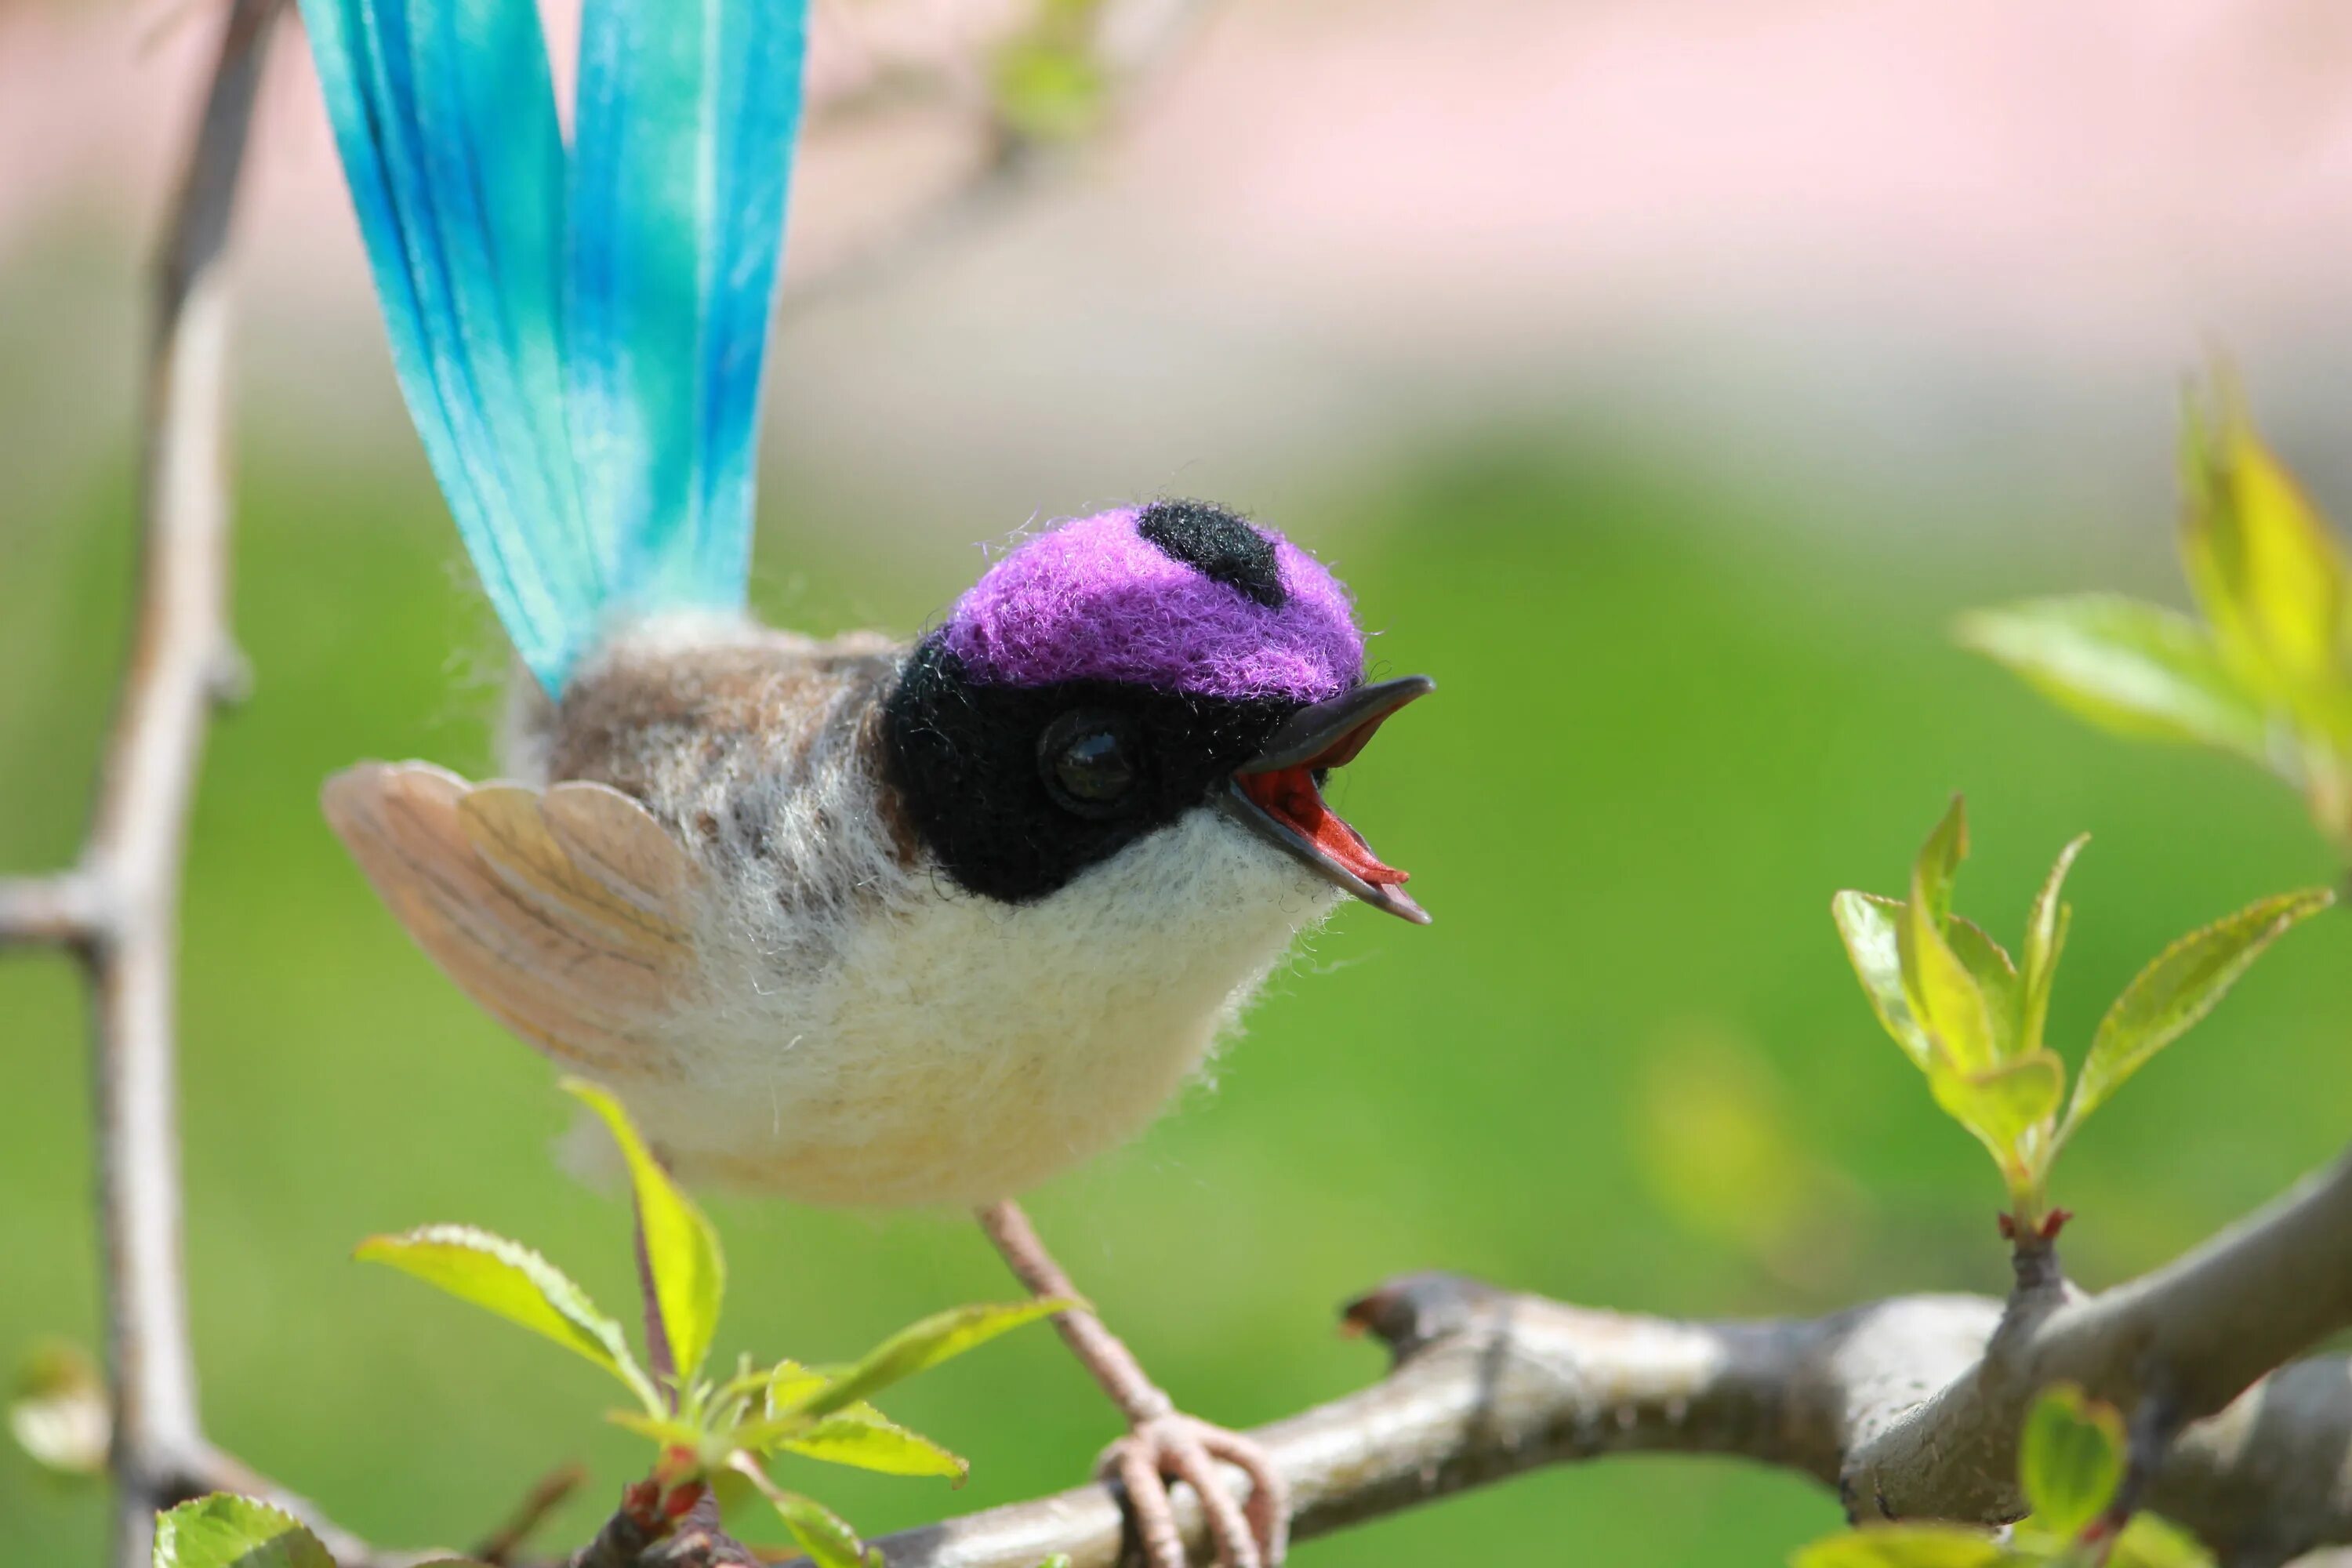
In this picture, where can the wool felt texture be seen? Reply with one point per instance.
(977, 765)
(1220, 544)
(1096, 600)
(854, 1027)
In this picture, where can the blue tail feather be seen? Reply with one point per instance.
(579, 337)
(678, 183)
(753, 187)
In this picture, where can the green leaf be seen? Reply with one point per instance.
(1049, 86)
(862, 1438)
(1987, 963)
(667, 1430)
(1938, 865)
(791, 1386)
(2134, 669)
(2045, 939)
(824, 1534)
(1049, 93)
(2001, 1104)
(2265, 569)
(2148, 1542)
(2180, 987)
(2070, 1460)
(58, 1414)
(689, 1273)
(751, 1381)
(733, 1493)
(1904, 1546)
(1943, 991)
(1868, 925)
(519, 1285)
(1944, 995)
(915, 1348)
(225, 1532)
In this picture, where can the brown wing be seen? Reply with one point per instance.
(567, 913)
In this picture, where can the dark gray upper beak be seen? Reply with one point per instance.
(1306, 735)
(1289, 814)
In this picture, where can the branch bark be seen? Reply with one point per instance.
(2195, 1334)
(119, 909)
(1910, 1407)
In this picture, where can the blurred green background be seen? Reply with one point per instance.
(1628, 1066)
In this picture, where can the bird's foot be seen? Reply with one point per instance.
(1173, 1447)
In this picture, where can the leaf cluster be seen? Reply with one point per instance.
(2072, 1459)
(710, 1433)
(226, 1532)
(2265, 675)
(1972, 1018)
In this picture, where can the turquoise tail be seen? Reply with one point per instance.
(579, 335)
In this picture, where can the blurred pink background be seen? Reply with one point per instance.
(1890, 237)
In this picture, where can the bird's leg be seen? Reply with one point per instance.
(1161, 1444)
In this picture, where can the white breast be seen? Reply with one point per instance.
(954, 1049)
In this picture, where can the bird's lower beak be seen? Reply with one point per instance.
(1276, 795)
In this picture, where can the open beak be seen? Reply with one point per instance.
(1275, 794)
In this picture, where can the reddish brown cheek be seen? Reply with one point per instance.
(890, 801)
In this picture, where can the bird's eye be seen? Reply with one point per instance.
(1089, 760)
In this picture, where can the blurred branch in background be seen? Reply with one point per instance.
(119, 909)
(1014, 103)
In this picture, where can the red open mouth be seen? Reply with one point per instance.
(1290, 795)
(1277, 796)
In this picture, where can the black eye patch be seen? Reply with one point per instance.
(1216, 543)
(977, 768)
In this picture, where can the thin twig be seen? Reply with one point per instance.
(137, 844)
(1137, 44)
(991, 189)
(543, 1499)
(62, 910)
(120, 907)
(1910, 1407)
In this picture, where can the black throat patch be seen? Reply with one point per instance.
(973, 765)
(1216, 543)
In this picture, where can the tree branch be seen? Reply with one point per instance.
(138, 840)
(62, 910)
(2196, 1334)
(119, 908)
(1910, 1407)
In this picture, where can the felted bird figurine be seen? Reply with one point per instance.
(860, 921)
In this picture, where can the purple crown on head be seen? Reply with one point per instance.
(1133, 595)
